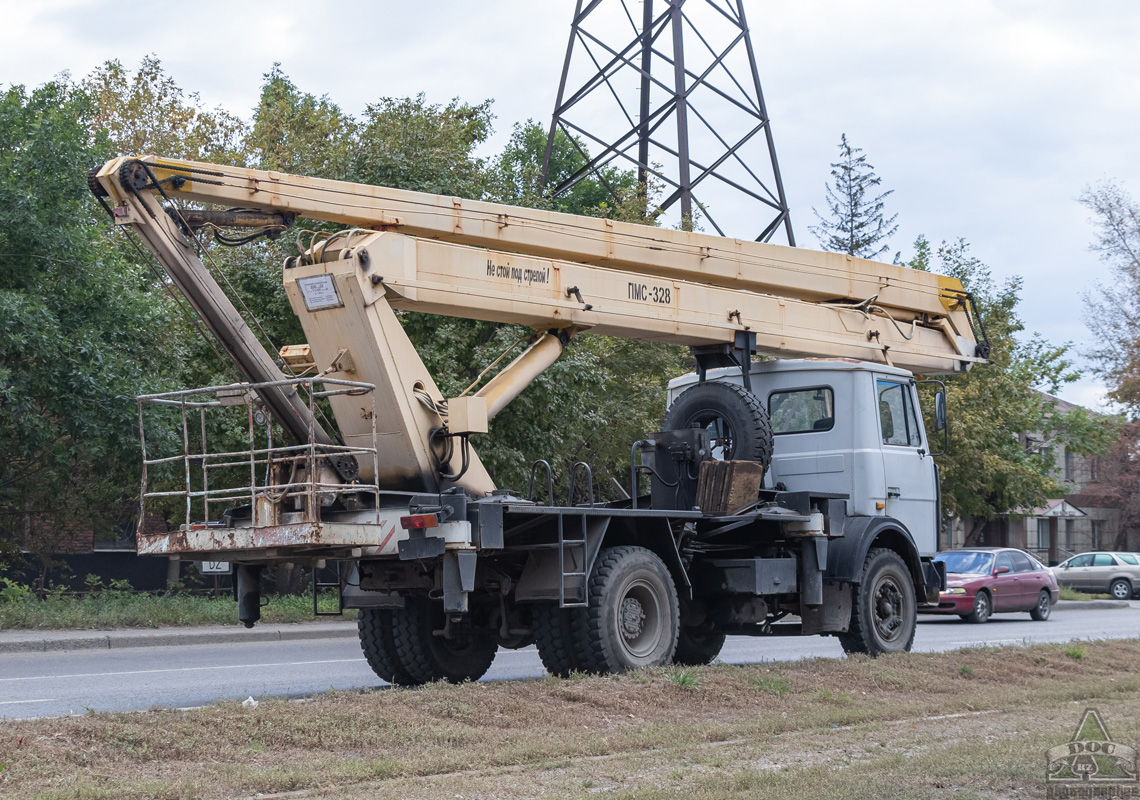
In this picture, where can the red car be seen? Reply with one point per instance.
(981, 581)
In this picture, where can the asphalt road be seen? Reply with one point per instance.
(71, 682)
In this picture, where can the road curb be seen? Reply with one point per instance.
(44, 641)
(1105, 604)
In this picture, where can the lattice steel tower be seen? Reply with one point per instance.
(692, 117)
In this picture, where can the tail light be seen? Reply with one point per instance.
(414, 522)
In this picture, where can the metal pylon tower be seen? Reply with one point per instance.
(689, 118)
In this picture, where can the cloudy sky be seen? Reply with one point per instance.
(986, 117)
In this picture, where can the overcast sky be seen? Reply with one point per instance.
(987, 118)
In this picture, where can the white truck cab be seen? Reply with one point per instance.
(849, 427)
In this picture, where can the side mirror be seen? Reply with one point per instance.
(1001, 570)
(940, 411)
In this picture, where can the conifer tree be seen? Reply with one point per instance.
(856, 224)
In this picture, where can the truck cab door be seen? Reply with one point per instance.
(911, 483)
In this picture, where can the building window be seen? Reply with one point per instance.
(1069, 535)
(1094, 468)
(1097, 526)
(1042, 542)
(1068, 465)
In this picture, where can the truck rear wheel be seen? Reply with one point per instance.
(374, 625)
(735, 418)
(884, 615)
(554, 638)
(633, 616)
(697, 646)
(428, 657)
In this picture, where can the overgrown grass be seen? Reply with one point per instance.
(858, 728)
(1075, 652)
(1068, 593)
(772, 684)
(686, 678)
(107, 609)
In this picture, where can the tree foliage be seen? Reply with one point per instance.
(147, 112)
(80, 331)
(518, 178)
(1114, 308)
(856, 223)
(991, 467)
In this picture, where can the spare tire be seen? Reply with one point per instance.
(736, 420)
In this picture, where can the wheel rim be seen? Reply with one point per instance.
(639, 621)
(1120, 590)
(888, 600)
(1043, 604)
(721, 434)
(982, 605)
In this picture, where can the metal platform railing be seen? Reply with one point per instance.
(265, 472)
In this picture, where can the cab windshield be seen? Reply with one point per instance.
(967, 563)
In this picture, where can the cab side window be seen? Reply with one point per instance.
(1022, 562)
(1102, 560)
(1003, 560)
(802, 410)
(1128, 558)
(897, 419)
(1081, 561)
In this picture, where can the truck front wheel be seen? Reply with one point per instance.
(633, 616)
(883, 610)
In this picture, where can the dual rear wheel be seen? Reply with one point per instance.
(403, 648)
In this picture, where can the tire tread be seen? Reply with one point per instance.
(374, 626)
(755, 433)
(588, 624)
(857, 637)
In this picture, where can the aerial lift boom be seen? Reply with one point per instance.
(557, 273)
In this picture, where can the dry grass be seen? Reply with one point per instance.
(856, 726)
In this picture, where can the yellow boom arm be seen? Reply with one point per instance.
(554, 272)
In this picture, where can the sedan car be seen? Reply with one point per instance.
(981, 581)
(1112, 572)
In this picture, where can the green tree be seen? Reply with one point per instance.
(297, 132)
(856, 223)
(147, 112)
(518, 176)
(408, 143)
(991, 467)
(1114, 308)
(81, 332)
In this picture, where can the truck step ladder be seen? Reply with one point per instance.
(573, 577)
(318, 584)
